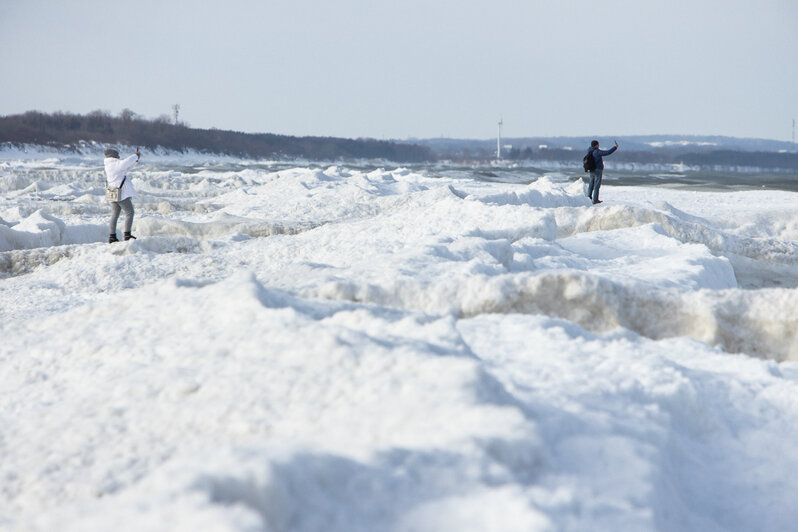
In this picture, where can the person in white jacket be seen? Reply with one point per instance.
(116, 176)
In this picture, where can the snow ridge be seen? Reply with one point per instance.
(370, 349)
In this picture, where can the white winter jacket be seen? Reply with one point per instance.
(115, 171)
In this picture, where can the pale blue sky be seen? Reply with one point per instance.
(410, 68)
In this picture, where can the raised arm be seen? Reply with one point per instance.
(128, 163)
(608, 152)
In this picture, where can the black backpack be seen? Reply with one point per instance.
(589, 162)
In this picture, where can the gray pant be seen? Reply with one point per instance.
(126, 205)
(595, 184)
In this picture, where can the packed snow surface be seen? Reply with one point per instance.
(392, 349)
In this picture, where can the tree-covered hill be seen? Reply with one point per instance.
(703, 151)
(67, 129)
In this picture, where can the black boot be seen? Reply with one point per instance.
(112, 238)
(128, 236)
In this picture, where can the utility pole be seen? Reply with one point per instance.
(499, 140)
(793, 134)
(176, 109)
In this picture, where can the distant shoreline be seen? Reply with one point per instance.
(66, 131)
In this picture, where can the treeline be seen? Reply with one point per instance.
(128, 128)
(706, 157)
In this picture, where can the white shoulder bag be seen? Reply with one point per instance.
(113, 194)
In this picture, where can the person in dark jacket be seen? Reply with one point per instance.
(595, 175)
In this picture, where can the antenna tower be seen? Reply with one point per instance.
(176, 109)
(499, 140)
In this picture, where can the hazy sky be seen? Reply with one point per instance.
(408, 68)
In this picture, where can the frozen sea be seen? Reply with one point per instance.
(308, 347)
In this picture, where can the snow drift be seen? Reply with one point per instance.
(373, 349)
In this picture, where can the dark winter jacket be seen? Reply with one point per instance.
(598, 154)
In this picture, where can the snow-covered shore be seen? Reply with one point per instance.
(362, 350)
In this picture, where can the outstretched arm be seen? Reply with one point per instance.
(608, 152)
(129, 162)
